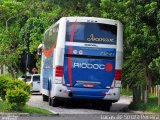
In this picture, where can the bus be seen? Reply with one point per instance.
(82, 61)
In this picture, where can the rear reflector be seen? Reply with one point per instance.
(118, 74)
(59, 71)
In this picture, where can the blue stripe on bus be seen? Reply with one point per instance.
(104, 52)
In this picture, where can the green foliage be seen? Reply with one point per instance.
(34, 110)
(3, 86)
(5, 107)
(126, 92)
(10, 84)
(17, 98)
(155, 67)
(15, 92)
(141, 43)
(78, 7)
(155, 64)
(151, 106)
(14, 84)
(32, 33)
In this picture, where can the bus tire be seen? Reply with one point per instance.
(45, 98)
(55, 102)
(106, 106)
(96, 106)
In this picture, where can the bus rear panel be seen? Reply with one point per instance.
(89, 64)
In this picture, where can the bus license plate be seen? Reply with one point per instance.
(88, 85)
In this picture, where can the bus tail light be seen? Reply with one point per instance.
(118, 74)
(59, 71)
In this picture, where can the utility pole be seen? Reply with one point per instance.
(27, 59)
(27, 55)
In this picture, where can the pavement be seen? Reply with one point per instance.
(120, 106)
(119, 111)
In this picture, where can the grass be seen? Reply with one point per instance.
(5, 107)
(35, 110)
(150, 106)
(126, 92)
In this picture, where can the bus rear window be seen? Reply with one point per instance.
(91, 33)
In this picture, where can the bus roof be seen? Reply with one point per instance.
(86, 19)
(90, 19)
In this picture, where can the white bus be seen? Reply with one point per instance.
(82, 60)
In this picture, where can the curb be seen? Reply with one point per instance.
(125, 109)
(14, 114)
(28, 114)
(143, 112)
(54, 113)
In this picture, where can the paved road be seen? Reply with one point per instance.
(36, 100)
(107, 116)
(83, 112)
(60, 117)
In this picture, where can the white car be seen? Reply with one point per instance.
(34, 80)
(22, 78)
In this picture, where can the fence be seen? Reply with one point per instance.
(141, 93)
(155, 91)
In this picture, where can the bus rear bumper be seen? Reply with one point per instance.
(86, 93)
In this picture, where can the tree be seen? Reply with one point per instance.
(31, 36)
(140, 36)
(9, 11)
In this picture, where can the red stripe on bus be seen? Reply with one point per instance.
(70, 52)
(72, 32)
(49, 52)
(70, 70)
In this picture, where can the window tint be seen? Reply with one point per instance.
(36, 78)
(92, 33)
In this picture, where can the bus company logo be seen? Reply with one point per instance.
(89, 66)
(108, 67)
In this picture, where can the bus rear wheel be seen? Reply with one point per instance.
(96, 106)
(45, 98)
(106, 106)
(55, 102)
